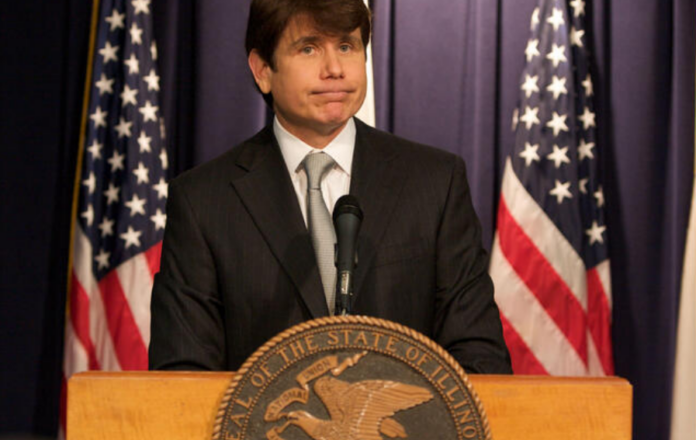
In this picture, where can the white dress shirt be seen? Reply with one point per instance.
(336, 182)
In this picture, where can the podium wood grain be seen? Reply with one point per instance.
(179, 405)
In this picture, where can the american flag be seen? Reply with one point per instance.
(549, 261)
(120, 196)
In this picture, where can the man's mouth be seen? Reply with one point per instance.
(332, 95)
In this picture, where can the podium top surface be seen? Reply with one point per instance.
(182, 405)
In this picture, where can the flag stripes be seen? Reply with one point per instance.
(561, 336)
(549, 261)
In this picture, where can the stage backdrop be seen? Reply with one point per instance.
(446, 74)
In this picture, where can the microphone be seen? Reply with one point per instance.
(347, 217)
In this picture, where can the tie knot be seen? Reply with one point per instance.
(316, 165)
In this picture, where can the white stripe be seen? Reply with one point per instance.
(684, 391)
(594, 364)
(75, 358)
(546, 236)
(529, 318)
(604, 273)
(99, 331)
(367, 111)
(136, 281)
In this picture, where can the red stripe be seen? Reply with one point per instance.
(599, 320)
(523, 359)
(543, 281)
(128, 343)
(153, 256)
(79, 317)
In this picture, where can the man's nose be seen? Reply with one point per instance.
(333, 67)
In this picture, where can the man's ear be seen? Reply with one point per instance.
(261, 70)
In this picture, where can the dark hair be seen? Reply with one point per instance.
(269, 18)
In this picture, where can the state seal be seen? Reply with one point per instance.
(350, 378)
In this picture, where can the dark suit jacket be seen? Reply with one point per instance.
(238, 265)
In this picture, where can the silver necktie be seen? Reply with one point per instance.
(320, 225)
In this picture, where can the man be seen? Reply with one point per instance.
(246, 254)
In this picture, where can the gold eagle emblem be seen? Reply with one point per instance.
(358, 411)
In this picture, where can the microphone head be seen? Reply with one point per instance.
(347, 204)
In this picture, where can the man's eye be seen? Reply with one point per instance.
(308, 50)
(345, 48)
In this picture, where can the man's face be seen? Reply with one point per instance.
(319, 81)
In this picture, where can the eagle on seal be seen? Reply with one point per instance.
(360, 410)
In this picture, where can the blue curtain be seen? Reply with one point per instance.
(446, 74)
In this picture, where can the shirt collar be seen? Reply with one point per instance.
(294, 150)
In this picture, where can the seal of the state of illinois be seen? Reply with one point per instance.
(350, 378)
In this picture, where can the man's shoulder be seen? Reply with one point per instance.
(407, 150)
(228, 166)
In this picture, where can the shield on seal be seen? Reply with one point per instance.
(350, 378)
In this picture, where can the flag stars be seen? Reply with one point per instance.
(558, 156)
(587, 84)
(595, 233)
(136, 205)
(530, 153)
(136, 34)
(535, 19)
(599, 195)
(576, 37)
(162, 129)
(144, 142)
(88, 215)
(582, 185)
(115, 20)
(90, 183)
(128, 96)
(162, 189)
(153, 51)
(587, 119)
(99, 117)
(133, 65)
(123, 128)
(585, 150)
(557, 123)
(556, 19)
(116, 161)
(105, 85)
(106, 227)
(141, 6)
(557, 55)
(557, 87)
(159, 219)
(530, 117)
(109, 52)
(102, 259)
(164, 159)
(149, 112)
(152, 81)
(530, 85)
(532, 50)
(111, 193)
(142, 173)
(561, 191)
(95, 149)
(131, 237)
(578, 7)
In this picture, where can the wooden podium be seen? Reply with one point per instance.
(173, 406)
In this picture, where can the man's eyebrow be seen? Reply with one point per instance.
(309, 39)
(313, 39)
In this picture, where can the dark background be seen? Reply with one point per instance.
(446, 73)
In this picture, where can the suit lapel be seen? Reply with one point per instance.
(266, 191)
(377, 182)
